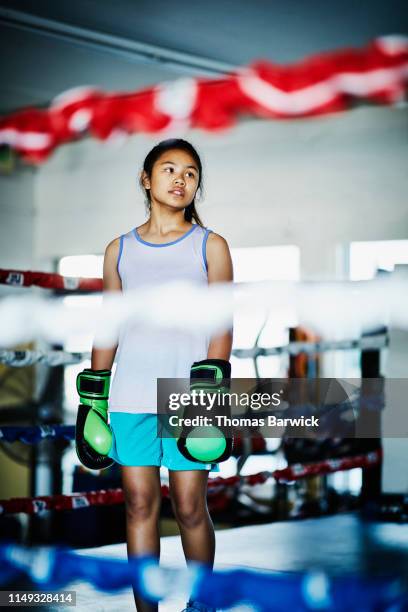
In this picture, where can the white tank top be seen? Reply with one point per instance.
(143, 355)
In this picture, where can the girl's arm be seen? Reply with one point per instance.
(102, 359)
(219, 271)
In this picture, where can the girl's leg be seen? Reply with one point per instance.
(188, 490)
(142, 492)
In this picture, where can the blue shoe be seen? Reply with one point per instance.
(196, 606)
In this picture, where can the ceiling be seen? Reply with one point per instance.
(49, 46)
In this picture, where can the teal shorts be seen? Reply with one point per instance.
(135, 443)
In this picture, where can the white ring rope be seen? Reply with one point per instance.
(339, 310)
(27, 357)
(24, 358)
(295, 348)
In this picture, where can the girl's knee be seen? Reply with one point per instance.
(189, 512)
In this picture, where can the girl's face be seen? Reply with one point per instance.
(174, 179)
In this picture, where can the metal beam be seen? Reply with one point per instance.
(119, 46)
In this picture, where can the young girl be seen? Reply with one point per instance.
(173, 244)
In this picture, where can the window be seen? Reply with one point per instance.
(367, 258)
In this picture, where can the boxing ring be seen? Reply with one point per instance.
(339, 562)
(320, 550)
(302, 556)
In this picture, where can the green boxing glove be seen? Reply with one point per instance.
(93, 436)
(209, 443)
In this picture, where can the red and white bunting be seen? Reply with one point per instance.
(324, 83)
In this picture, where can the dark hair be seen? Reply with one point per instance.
(190, 212)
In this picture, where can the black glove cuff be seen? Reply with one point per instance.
(216, 372)
(94, 384)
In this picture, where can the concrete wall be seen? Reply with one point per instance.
(17, 222)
